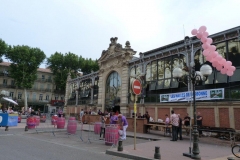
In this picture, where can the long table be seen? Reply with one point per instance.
(162, 127)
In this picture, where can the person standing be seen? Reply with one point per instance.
(124, 125)
(39, 112)
(199, 123)
(147, 116)
(60, 112)
(167, 122)
(179, 129)
(81, 115)
(114, 118)
(103, 120)
(175, 121)
(187, 123)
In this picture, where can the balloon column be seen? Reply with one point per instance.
(219, 62)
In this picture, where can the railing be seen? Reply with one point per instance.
(7, 86)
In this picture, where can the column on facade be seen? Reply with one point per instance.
(92, 88)
(125, 89)
(77, 87)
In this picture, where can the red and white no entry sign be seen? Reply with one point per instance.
(136, 87)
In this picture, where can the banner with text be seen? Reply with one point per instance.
(209, 94)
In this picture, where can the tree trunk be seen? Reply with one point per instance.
(25, 99)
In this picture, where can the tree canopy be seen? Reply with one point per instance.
(3, 47)
(24, 64)
(62, 64)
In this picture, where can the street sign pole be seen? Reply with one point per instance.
(135, 115)
(137, 89)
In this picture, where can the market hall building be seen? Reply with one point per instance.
(110, 87)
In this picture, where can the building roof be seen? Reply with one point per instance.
(46, 70)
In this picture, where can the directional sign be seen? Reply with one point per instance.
(136, 87)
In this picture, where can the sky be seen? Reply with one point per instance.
(84, 27)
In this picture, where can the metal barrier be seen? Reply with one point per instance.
(111, 134)
(93, 132)
(47, 125)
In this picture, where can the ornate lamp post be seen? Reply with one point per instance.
(195, 77)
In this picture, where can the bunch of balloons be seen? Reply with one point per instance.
(210, 53)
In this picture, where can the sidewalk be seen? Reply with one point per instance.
(210, 148)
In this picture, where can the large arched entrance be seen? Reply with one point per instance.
(113, 92)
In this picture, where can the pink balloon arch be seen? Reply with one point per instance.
(210, 53)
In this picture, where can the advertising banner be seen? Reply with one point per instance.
(3, 119)
(209, 94)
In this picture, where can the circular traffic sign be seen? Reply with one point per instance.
(136, 87)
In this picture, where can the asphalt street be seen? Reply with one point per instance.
(17, 144)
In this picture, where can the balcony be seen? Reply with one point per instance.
(7, 86)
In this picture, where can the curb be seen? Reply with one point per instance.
(125, 155)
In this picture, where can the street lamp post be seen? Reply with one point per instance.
(195, 77)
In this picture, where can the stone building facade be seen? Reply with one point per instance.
(111, 85)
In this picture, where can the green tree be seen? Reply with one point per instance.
(61, 65)
(3, 47)
(24, 64)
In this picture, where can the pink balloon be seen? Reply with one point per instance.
(223, 71)
(199, 35)
(228, 64)
(212, 60)
(223, 61)
(219, 67)
(205, 52)
(231, 68)
(205, 34)
(194, 32)
(202, 29)
(203, 39)
(219, 58)
(229, 73)
(205, 46)
(214, 63)
(212, 48)
(209, 40)
(215, 54)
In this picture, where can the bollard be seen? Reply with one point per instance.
(26, 128)
(120, 147)
(157, 153)
(230, 158)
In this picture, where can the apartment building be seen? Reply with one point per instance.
(41, 93)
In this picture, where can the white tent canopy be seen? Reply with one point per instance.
(10, 100)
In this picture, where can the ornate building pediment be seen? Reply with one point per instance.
(115, 55)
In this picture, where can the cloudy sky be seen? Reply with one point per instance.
(84, 27)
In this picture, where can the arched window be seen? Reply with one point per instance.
(113, 89)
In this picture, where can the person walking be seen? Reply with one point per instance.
(103, 120)
(123, 125)
(175, 121)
